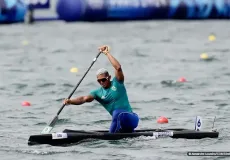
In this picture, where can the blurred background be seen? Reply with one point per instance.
(174, 54)
(111, 10)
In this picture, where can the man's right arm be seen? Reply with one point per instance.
(79, 100)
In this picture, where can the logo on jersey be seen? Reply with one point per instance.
(102, 97)
(114, 88)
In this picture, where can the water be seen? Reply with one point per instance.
(35, 64)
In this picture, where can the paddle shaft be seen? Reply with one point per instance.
(48, 128)
(94, 60)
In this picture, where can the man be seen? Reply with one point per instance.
(112, 96)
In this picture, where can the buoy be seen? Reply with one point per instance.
(26, 103)
(182, 79)
(73, 70)
(211, 37)
(162, 120)
(204, 56)
(25, 42)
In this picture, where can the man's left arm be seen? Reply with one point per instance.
(118, 70)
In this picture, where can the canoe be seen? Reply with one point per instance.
(75, 136)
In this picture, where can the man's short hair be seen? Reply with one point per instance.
(102, 71)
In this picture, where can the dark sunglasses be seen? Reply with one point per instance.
(102, 80)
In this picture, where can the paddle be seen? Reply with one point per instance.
(48, 128)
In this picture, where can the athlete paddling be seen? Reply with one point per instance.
(112, 96)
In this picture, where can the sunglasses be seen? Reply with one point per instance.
(102, 80)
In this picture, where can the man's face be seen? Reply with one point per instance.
(104, 80)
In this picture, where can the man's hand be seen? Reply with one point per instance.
(104, 49)
(67, 102)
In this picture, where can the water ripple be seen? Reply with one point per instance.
(46, 85)
(68, 85)
(20, 85)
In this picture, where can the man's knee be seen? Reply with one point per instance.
(128, 120)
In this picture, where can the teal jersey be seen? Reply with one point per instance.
(114, 97)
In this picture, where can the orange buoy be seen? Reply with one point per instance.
(182, 79)
(26, 103)
(162, 120)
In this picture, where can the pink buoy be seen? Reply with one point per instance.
(26, 103)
